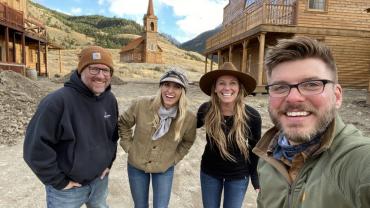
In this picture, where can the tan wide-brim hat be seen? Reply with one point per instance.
(208, 79)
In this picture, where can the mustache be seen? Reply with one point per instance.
(298, 107)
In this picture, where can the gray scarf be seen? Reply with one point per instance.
(166, 116)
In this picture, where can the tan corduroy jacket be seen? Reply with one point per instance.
(153, 156)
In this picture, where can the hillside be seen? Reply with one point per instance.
(75, 32)
(198, 43)
(191, 62)
(70, 31)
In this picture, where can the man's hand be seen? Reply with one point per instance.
(105, 172)
(72, 184)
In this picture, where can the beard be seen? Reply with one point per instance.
(296, 133)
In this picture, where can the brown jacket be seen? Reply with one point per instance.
(153, 156)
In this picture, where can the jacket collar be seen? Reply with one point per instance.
(262, 147)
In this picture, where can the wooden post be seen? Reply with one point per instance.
(7, 44)
(46, 59)
(260, 58)
(231, 53)
(24, 53)
(219, 58)
(39, 58)
(14, 49)
(245, 55)
(211, 61)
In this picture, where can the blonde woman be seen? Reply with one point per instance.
(164, 132)
(232, 130)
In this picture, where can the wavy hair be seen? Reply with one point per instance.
(299, 48)
(237, 134)
(181, 111)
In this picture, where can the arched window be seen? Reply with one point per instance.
(152, 26)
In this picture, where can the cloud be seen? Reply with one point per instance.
(128, 7)
(75, 11)
(100, 2)
(193, 16)
(197, 16)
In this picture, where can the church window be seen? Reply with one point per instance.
(152, 26)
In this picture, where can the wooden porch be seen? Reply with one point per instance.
(266, 13)
(18, 33)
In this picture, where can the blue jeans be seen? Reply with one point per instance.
(234, 191)
(139, 185)
(94, 195)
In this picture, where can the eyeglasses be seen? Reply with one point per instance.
(96, 70)
(311, 87)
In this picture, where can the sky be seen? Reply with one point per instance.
(182, 19)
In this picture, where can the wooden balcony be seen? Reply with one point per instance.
(11, 17)
(271, 14)
(15, 19)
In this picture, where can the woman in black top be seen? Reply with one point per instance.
(232, 128)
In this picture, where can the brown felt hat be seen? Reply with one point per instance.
(94, 55)
(208, 79)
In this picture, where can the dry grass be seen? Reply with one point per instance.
(191, 62)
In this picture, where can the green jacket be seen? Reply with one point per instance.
(339, 176)
(153, 156)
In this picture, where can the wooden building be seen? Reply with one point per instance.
(249, 26)
(23, 42)
(144, 49)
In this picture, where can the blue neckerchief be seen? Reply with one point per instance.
(284, 149)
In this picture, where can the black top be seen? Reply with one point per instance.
(212, 162)
(73, 135)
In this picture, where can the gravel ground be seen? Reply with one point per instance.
(19, 187)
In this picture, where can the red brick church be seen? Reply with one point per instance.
(144, 49)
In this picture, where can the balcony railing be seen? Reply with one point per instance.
(15, 19)
(273, 14)
(12, 17)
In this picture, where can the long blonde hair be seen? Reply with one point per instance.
(181, 111)
(237, 134)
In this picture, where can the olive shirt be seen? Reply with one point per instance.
(153, 156)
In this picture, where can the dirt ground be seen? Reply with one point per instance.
(19, 187)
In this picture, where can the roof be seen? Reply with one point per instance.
(133, 44)
(150, 8)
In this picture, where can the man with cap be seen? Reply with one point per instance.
(71, 140)
(164, 132)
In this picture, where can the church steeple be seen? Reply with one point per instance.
(150, 20)
(150, 9)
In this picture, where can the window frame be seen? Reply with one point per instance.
(324, 9)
